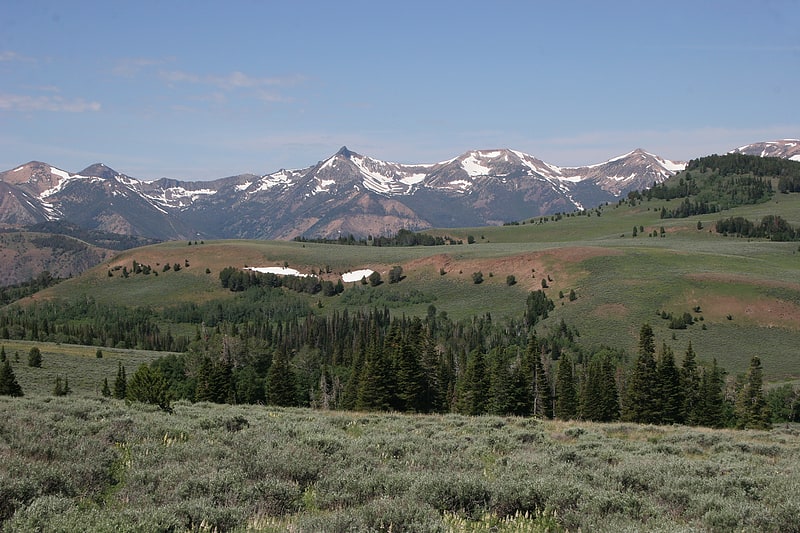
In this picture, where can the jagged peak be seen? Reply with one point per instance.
(344, 152)
(99, 170)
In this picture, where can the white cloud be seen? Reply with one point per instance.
(8, 55)
(233, 80)
(130, 67)
(21, 102)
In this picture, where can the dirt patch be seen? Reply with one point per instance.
(764, 312)
(555, 265)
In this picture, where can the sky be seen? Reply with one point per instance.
(199, 90)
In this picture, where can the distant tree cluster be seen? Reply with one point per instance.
(12, 293)
(403, 237)
(771, 227)
(237, 279)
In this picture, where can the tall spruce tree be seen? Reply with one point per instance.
(566, 394)
(690, 379)
(670, 388)
(120, 383)
(710, 411)
(281, 381)
(374, 389)
(751, 406)
(473, 387)
(600, 399)
(410, 378)
(9, 386)
(641, 403)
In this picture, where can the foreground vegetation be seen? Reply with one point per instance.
(101, 465)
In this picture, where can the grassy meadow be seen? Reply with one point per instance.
(748, 291)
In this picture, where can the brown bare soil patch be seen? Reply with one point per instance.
(528, 268)
(763, 312)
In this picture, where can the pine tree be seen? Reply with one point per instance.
(149, 386)
(106, 392)
(8, 381)
(410, 378)
(473, 386)
(641, 404)
(600, 400)
(669, 388)
(374, 390)
(710, 410)
(501, 393)
(566, 394)
(751, 406)
(690, 379)
(281, 382)
(121, 383)
(542, 392)
(2, 354)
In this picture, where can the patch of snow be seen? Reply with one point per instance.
(328, 163)
(281, 271)
(356, 275)
(323, 186)
(413, 179)
(795, 158)
(244, 186)
(59, 173)
(473, 167)
(18, 169)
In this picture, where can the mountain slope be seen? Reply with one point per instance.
(345, 193)
(786, 148)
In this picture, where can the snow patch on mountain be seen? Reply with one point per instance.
(356, 275)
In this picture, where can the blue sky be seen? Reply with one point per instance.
(200, 90)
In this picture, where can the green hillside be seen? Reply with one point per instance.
(748, 290)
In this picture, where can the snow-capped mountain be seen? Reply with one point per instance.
(786, 148)
(345, 193)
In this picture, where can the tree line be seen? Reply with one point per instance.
(772, 227)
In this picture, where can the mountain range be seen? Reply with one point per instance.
(347, 193)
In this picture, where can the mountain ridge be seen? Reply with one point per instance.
(345, 193)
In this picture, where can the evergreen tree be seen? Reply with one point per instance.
(35, 357)
(710, 410)
(641, 403)
(600, 400)
(374, 390)
(542, 392)
(149, 386)
(121, 383)
(281, 382)
(409, 375)
(501, 393)
(8, 381)
(751, 407)
(473, 387)
(669, 388)
(690, 381)
(566, 394)
(106, 392)
(2, 354)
